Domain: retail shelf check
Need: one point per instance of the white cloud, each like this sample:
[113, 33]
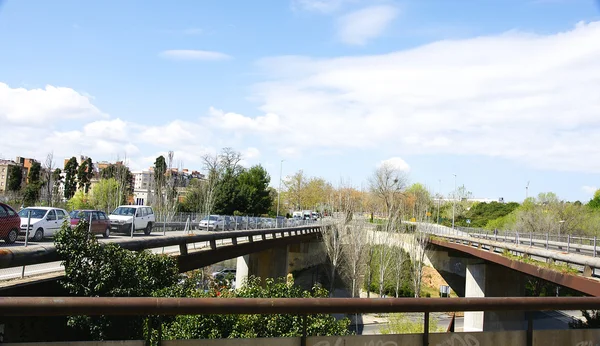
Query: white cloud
[323, 6]
[40, 107]
[191, 54]
[358, 27]
[526, 97]
[396, 163]
[589, 190]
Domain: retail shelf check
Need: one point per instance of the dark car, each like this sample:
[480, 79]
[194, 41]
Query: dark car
[100, 222]
[10, 222]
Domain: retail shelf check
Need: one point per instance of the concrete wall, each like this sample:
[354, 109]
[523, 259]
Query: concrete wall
[587, 337]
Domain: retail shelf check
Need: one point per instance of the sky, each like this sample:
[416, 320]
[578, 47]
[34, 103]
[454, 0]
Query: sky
[493, 94]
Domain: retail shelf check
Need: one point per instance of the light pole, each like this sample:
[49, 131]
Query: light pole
[454, 202]
[279, 190]
[439, 201]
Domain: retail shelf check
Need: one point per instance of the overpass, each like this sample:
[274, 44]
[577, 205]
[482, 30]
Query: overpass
[293, 245]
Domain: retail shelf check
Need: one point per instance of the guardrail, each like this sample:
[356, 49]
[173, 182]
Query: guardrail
[36, 254]
[146, 306]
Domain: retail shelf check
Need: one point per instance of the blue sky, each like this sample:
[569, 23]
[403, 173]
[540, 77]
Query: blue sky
[498, 92]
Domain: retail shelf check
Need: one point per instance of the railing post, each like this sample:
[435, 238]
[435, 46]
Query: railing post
[547, 235]
[183, 250]
[529, 328]
[568, 243]
[594, 246]
[426, 329]
[518, 241]
[234, 240]
[303, 338]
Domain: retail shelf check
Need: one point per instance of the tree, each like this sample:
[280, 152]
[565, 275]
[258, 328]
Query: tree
[15, 177]
[254, 191]
[85, 173]
[594, 203]
[106, 194]
[387, 184]
[121, 173]
[107, 270]
[70, 177]
[418, 244]
[47, 174]
[295, 186]
[80, 201]
[57, 181]
[31, 192]
[250, 326]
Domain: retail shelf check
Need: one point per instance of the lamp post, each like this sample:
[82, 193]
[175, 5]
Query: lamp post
[279, 190]
[439, 201]
[454, 202]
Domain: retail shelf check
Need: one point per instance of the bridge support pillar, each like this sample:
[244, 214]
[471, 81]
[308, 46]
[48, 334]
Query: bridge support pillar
[272, 263]
[492, 280]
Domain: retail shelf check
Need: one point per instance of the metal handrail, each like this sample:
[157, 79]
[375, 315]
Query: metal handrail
[127, 306]
[37, 254]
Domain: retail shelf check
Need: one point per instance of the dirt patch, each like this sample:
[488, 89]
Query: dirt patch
[432, 279]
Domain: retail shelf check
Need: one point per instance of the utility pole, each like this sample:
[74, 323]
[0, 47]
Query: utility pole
[279, 190]
[439, 201]
[454, 202]
[527, 191]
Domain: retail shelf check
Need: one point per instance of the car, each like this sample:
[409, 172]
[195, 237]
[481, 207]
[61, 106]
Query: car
[223, 273]
[213, 223]
[10, 222]
[100, 222]
[122, 217]
[43, 221]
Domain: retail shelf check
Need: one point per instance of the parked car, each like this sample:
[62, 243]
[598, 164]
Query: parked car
[44, 222]
[10, 222]
[213, 223]
[100, 222]
[142, 216]
[223, 273]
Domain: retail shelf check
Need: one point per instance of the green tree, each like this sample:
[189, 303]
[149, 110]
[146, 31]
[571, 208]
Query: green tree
[254, 191]
[124, 178]
[31, 192]
[15, 177]
[107, 270]
[58, 180]
[85, 173]
[250, 326]
[70, 177]
[594, 203]
[80, 201]
[105, 195]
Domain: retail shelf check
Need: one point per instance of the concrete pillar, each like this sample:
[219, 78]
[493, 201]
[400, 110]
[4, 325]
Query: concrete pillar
[272, 263]
[492, 280]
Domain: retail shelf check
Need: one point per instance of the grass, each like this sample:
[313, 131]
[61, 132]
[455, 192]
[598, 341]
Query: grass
[559, 267]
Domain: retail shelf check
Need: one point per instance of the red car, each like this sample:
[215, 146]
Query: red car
[10, 222]
[100, 222]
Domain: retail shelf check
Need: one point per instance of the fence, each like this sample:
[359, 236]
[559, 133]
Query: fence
[146, 306]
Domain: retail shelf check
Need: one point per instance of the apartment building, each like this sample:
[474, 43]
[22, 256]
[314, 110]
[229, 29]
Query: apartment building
[4, 168]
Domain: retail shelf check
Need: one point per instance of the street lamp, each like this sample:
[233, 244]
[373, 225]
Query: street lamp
[454, 202]
[439, 201]
[279, 190]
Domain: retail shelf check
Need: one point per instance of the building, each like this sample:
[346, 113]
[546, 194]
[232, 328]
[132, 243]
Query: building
[4, 167]
[26, 163]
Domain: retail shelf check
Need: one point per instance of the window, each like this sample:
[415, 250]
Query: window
[51, 216]
[10, 212]
[61, 214]
[102, 216]
[138, 212]
[149, 210]
[3, 212]
[94, 216]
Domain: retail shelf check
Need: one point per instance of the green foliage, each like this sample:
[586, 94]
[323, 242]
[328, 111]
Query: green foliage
[389, 283]
[85, 173]
[15, 177]
[70, 177]
[80, 201]
[482, 213]
[92, 270]
[400, 323]
[249, 326]
[105, 195]
[254, 191]
[594, 203]
[122, 175]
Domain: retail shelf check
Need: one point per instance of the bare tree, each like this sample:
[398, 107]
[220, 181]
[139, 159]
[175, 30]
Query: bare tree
[47, 171]
[387, 184]
[417, 245]
[213, 167]
[386, 241]
[398, 261]
[332, 238]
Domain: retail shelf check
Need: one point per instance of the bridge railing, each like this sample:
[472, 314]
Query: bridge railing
[552, 241]
[146, 306]
[20, 257]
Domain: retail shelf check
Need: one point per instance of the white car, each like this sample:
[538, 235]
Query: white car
[43, 221]
[213, 223]
[223, 273]
[122, 217]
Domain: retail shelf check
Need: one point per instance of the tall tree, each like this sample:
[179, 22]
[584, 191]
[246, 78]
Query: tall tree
[295, 185]
[57, 181]
[254, 191]
[15, 177]
[70, 170]
[160, 171]
[387, 183]
[105, 195]
[47, 174]
[31, 192]
[121, 173]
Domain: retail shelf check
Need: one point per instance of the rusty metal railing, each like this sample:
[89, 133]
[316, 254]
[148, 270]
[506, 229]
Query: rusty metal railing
[124, 306]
